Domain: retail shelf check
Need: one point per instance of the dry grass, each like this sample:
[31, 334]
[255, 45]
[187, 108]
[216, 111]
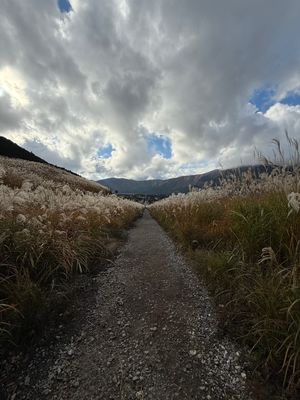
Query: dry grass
[13, 172]
[48, 233]
[247, 233]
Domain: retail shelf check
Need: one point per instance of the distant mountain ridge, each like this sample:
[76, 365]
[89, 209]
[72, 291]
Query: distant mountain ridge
[163, 187]
[180, 184]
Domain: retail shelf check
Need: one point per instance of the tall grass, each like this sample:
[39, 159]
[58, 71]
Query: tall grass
[247, 234]
[49, 231]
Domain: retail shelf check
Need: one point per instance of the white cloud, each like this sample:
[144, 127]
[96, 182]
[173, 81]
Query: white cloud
[73, 83]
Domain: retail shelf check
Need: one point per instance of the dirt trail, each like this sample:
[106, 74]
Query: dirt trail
[151, 335]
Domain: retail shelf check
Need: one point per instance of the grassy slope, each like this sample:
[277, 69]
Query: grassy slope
[53, 225]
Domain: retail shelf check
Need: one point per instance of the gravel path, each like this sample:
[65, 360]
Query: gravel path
[151, 335]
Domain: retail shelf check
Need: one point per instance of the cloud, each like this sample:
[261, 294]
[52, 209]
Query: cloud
[10, 118]
[49, 155]
[114, 72]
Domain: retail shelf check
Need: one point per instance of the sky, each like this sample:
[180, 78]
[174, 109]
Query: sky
[149, 89]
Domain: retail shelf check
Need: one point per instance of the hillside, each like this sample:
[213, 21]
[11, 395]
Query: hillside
[14, 173]
[12, 150]
[14, 162]
[174, 185]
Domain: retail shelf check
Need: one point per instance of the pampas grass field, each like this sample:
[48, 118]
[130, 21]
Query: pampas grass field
[53, 225]
[245, 237]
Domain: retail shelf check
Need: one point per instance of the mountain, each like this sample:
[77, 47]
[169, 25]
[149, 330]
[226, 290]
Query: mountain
[10, 149]
[162, 187]
[173, 185]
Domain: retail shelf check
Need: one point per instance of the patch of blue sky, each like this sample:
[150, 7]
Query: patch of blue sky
[64, 6]
[159, 144]
[105, 151]
[263, 98]
[292, 99]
